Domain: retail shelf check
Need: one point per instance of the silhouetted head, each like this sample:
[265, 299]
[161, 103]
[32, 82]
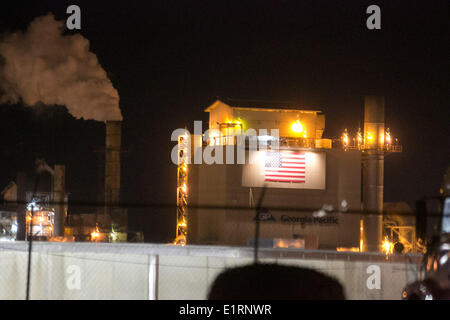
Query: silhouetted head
[274, 282]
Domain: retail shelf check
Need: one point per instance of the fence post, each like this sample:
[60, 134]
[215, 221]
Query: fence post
[153, 266]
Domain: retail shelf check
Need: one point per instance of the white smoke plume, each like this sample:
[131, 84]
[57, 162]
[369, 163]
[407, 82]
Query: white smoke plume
[43, 66]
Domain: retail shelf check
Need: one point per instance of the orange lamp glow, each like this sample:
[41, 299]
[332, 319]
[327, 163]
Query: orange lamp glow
[387, 246]
[297, 127]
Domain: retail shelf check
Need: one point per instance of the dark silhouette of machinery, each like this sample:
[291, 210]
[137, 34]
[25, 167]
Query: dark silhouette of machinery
[434, 274]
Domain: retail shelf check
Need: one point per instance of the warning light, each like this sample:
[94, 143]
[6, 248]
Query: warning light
[359, 138]
[297, 127]
[387, 246]
[388, 139]
[345, 139]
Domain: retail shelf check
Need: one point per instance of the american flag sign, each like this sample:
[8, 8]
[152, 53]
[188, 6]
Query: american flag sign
[285, 167]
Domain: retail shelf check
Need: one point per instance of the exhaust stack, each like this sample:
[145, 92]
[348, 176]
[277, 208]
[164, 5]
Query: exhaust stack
[22, 185]
[373, 172]
[112, 173]
[59, 198]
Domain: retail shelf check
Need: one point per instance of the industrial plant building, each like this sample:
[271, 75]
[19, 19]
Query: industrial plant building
[257, 162]
[40, 210]
[311, 190]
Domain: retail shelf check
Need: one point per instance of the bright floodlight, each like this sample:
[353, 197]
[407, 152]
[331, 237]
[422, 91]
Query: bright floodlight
[297, 127]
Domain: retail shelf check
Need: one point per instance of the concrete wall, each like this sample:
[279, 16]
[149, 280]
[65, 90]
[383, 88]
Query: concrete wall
[143, 271]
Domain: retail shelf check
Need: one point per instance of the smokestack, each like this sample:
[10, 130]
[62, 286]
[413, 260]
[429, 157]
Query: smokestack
[112, 170]
[22, 185]
[373, 171]
[59, 193]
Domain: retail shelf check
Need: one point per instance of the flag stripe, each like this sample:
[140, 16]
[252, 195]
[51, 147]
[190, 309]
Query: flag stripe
[285, 174]
[286, 177]
[296, 163]
[285, 180]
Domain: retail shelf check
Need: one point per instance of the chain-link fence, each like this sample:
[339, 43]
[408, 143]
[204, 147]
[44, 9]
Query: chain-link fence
[156, 271]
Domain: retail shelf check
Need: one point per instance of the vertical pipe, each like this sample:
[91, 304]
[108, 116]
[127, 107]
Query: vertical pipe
[373, 171]
[21, 205]
[112, 169]
[59, 182]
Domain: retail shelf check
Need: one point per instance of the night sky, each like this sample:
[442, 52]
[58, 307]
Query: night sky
[169, 60]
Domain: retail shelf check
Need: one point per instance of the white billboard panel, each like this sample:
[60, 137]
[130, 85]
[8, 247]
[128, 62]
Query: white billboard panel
[285, 169]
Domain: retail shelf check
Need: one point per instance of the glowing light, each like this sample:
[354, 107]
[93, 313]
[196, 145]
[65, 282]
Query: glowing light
[180, 240]
[233, 122]
[359, 138]
[443, 260]
[96, 233]
[388, 139]
[297, 127]
[32, 206]
[370, 138]
[345, 139]
[184, 188]
[361, 235]
[347, 249]
[388, 136]
[387, 246]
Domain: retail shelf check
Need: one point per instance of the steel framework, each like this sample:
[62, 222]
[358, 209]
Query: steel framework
[182, 191]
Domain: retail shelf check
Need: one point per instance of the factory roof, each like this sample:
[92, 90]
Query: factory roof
[262, 105]
[9, 193]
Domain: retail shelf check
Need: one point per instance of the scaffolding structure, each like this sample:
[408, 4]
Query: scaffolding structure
[360, 142]
[182, 192]
[406, 235]
[40, 217]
